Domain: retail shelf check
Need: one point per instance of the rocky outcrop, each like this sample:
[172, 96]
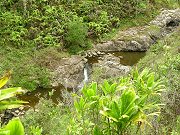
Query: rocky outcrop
[69, 72]
[167, 18]
[110, 67]
[141, 38]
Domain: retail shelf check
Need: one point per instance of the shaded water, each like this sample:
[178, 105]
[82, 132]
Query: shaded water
[55, 94]
[126, 58]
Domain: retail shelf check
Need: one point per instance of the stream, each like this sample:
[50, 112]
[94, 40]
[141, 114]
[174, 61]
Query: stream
[55, 94]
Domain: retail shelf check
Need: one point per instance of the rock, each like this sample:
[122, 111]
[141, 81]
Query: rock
[141, 38]
[69, 72]
[167, 18]
[17, 111]
[106, 47]
[111, 67]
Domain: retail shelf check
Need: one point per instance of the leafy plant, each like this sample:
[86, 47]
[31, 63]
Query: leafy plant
[14, 127]
[6, 95]
[113, 108]
[48, 118]
[76, 35]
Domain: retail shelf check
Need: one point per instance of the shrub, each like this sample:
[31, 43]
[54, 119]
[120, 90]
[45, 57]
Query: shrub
[76, 37]
[26, 71]
[115, 108]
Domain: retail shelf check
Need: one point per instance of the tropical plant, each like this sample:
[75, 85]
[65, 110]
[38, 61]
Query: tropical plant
[6, 95]
[113, 108]
[14, 127]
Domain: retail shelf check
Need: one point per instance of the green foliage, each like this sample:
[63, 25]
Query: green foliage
[14, 127]
[35, 130]
[27, 73]
[164, 59]
[115, 108]
[6, 95]
[70, 26]
[46, 119]
[109, 108]
[76, 35]
[43, 23]
[12, 29]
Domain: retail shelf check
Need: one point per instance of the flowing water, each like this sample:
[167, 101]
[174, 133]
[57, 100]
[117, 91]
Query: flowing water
[126, 58]
[85, 73]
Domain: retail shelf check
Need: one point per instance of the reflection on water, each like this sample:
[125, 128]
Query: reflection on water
[55, 94]
[129, 58]
[126, 58]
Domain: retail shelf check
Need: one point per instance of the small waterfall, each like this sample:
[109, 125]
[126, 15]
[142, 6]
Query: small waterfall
[81, 85]
[85, 73]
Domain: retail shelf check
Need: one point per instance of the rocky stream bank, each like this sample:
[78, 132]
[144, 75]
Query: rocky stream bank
[69, 71]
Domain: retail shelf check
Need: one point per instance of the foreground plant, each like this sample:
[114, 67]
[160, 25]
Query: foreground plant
[7, 101]
[114, 108]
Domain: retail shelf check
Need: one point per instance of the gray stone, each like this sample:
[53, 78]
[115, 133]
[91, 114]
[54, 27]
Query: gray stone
[111, 67]
[166, 17]
[69, 72]
[141, 38]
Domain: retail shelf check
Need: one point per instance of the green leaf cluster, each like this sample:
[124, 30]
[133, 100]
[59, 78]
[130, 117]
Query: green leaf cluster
[113, 108]
[14, 127]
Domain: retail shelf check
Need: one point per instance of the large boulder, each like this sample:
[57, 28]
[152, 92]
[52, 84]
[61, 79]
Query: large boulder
[69, 72]
[141, 38]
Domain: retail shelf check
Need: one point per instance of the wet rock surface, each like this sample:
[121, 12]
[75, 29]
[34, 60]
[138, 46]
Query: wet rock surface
[111, 67]
[69, 72]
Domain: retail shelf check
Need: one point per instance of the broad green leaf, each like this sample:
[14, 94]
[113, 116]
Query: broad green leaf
[4, 132]
[113, 87]
[94, 86]
[9, 92]
[150, 81]
[115, 110]
[15, 127]
[126, 98]
[11, 104]
[91, 93]
[4, 79]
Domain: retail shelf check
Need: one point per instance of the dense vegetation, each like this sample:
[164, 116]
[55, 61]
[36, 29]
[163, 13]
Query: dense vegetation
[51, 29]
[130, 105]
[36, 33]
[164, 59]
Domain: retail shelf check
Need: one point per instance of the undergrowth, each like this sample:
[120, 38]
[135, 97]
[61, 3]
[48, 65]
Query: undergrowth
[164, 59]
